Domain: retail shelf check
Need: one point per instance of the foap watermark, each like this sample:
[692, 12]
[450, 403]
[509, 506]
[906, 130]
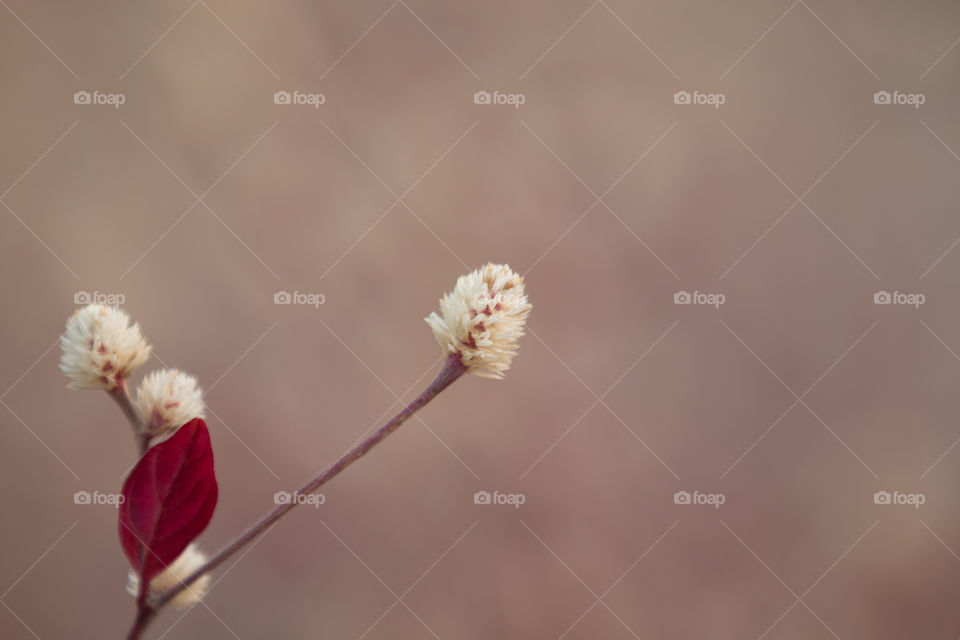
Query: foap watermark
[485, 97]
[710, 99]
[99, 498]
[711, 299]
[96, 97]
[711, 499]
[898, 97]
[898, 297]
[313, 499]
[98, 297]
[910, 499]
[485, 497]
[298, 97]
[297, 297]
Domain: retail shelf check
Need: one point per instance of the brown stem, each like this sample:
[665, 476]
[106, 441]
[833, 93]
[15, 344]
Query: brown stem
[452, 369]
[121, 396]
[144, 616]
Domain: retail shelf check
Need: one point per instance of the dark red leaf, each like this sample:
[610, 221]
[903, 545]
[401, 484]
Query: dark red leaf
[168, 500]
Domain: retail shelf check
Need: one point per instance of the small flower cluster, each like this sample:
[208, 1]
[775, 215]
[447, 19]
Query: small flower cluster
[186, 563]
[167, 400]
[482, 319]
[100, 349]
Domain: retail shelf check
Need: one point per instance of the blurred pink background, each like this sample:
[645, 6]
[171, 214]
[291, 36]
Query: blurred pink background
[794, 402]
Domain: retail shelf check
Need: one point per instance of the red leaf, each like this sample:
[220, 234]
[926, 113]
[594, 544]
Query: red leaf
[168, 500]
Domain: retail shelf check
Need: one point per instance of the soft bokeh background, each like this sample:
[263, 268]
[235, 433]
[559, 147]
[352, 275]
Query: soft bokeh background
[797, 399]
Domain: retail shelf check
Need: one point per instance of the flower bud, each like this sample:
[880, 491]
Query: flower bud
[100, 348]
[482, 319]
[186, 563]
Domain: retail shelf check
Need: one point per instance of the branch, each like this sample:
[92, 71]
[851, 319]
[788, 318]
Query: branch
[452, 369]
[121, 396]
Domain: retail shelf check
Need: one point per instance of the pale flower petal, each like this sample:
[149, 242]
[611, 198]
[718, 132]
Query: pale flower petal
[168, 399]
[100, 348]
[482, 319]
[186, 563]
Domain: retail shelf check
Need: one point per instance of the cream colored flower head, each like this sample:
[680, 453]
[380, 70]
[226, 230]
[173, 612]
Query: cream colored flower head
[482, 319]
[167, 400]
[100, 347]
[186, 563]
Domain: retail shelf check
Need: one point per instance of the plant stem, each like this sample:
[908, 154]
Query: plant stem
[121, 396]
[452, 369]
[144, 616]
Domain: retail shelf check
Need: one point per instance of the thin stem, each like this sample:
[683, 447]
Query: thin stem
[121, 396]
[452, 369]
[144, 616]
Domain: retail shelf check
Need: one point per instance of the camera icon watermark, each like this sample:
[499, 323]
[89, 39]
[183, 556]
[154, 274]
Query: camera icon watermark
[709, 99]
[513, 99]
[910, 499]
[697, 498]
[709, 299]
[909, 299]
[109, 299]
[313, 499]
[899, 98]
[98, 498]
[297, 97]
[111, 99]
[513, 499]
[309, 299]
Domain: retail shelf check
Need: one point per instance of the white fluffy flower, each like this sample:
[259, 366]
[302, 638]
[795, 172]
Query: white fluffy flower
[168, 399]
[482, 319]
[100, 347]
[186, 563]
